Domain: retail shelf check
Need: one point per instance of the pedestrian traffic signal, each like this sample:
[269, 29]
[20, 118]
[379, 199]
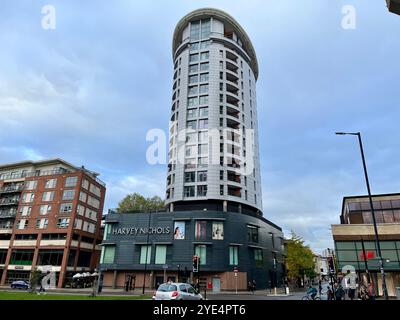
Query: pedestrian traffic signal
[196, 262]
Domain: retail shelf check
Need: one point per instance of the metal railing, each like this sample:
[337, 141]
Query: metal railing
[10, 189]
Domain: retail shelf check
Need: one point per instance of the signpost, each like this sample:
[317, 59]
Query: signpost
[235, 270]
[165, 267]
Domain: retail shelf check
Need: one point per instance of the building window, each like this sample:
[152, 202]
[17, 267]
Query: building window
[195, 30]
[189, 191]
[190, 177]
[63, 223]
[191, 124]
[192, 113]
[258, 257]
[42, 223]
[217, 230]
[202, 191]
[31, 185]
[45, 209]
[204, 77]
[203, 124]
[28, 197]
[205, 55]
[193, 102]
[145, 251]
[48, 196]
[50, 257]
[68, 195]
[66, 208]
[194, 57]
[202, 162]
[202, 176]
[193, 68]
[252, 234]
[201, 252]
[25, 210]
[22, 257]
[71, 181]
[272, 239]
[161, 254]
[203, 149]
[194, 90]
[203, 89]
[51, 183]
[201, 230]
[22, 224]
[204, 66]
[233, 255]
[203, 112]
[193, 79]
[203, 100]
[221, 190]
[108, 254]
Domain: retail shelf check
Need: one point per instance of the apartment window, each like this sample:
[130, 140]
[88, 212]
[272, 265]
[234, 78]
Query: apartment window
[221, 98]
[221, 190]
[203, 136]
[255, 199]
[195, 30]
[203, 112]
[203, 88]
[193, 68]
[203, 149]
[202, 162]
[205, 28]
[193, 102]
[192, 113]
[193, 79]
[68, 195]
[204, 66]
[71, 181]
[161, 254]
[25, 210]
[221, 86]
[63, 222]
[204, 77]
[190, 177]
[202, 191]
[194, 90]
[221, 65]
[201, 252]
[42, 223]
[203, 100]
[45, 209]
[202, 176]
[22, 257]
[66, 208]
[203, 124]
[145, 252]
[51, 183]
[258, 257]
[30, 185]
[190, 163]
[28, 197]
[252, 234]
[191, 124]
[272, 240]
[233, 255]
[204, 55]
[194, 57]
[108, 254]
[190, 151]
[189, 191]
[221, 175]
[22, 224]
[85, 184]
[221, 54]
[82, 196]
[204, 44]
[245, 195]
[93, 202]
[221, 122]
[80, 210]
[95, 190]
[48, 196]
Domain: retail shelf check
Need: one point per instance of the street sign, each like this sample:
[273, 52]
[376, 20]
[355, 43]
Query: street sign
[196, 263]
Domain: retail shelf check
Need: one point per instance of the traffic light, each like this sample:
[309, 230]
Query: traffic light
[196, 263]
[331, 265]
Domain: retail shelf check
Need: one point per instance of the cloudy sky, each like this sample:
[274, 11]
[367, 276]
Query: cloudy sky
[90, 90]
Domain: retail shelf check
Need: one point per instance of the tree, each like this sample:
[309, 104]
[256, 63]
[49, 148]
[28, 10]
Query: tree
[135, 202]
[299, 259]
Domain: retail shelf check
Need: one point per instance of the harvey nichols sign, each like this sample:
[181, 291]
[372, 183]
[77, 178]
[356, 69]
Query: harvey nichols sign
[134, 231]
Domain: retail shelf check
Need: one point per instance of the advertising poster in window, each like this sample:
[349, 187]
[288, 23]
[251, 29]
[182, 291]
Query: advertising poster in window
[218, 231]
[179, 230]
[201, 233]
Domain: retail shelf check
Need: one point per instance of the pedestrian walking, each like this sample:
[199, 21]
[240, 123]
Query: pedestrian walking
[371, 292]
[254, 285]
[320, 287]
[250, 287]
[338, 292]
[329, 293]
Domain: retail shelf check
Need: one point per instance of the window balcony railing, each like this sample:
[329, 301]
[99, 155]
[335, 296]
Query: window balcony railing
[7, 214]
[11, 189]
[9, 202]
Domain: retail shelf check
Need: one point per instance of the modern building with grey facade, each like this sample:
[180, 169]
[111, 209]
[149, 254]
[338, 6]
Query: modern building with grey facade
[213, 194]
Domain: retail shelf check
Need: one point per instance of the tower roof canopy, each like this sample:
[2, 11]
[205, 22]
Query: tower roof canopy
[223, 16]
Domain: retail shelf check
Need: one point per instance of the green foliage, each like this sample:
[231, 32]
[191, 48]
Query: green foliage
[135, 202]
[299, 259]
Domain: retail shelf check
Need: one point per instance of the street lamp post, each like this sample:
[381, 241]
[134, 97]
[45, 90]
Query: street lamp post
[147, 250]
[378, 246]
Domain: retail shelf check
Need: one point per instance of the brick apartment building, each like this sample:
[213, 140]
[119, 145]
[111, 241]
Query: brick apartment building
[50, 215]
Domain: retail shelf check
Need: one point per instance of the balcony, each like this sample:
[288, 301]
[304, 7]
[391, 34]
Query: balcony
[231, 56]
[11, 188]
[232, 89]
[232, 112]
[231, 67]
[232, 78]
[234, 177]
[232, 100]
[233, 124]
[234, 191]
[7, 214]
[9, 202]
